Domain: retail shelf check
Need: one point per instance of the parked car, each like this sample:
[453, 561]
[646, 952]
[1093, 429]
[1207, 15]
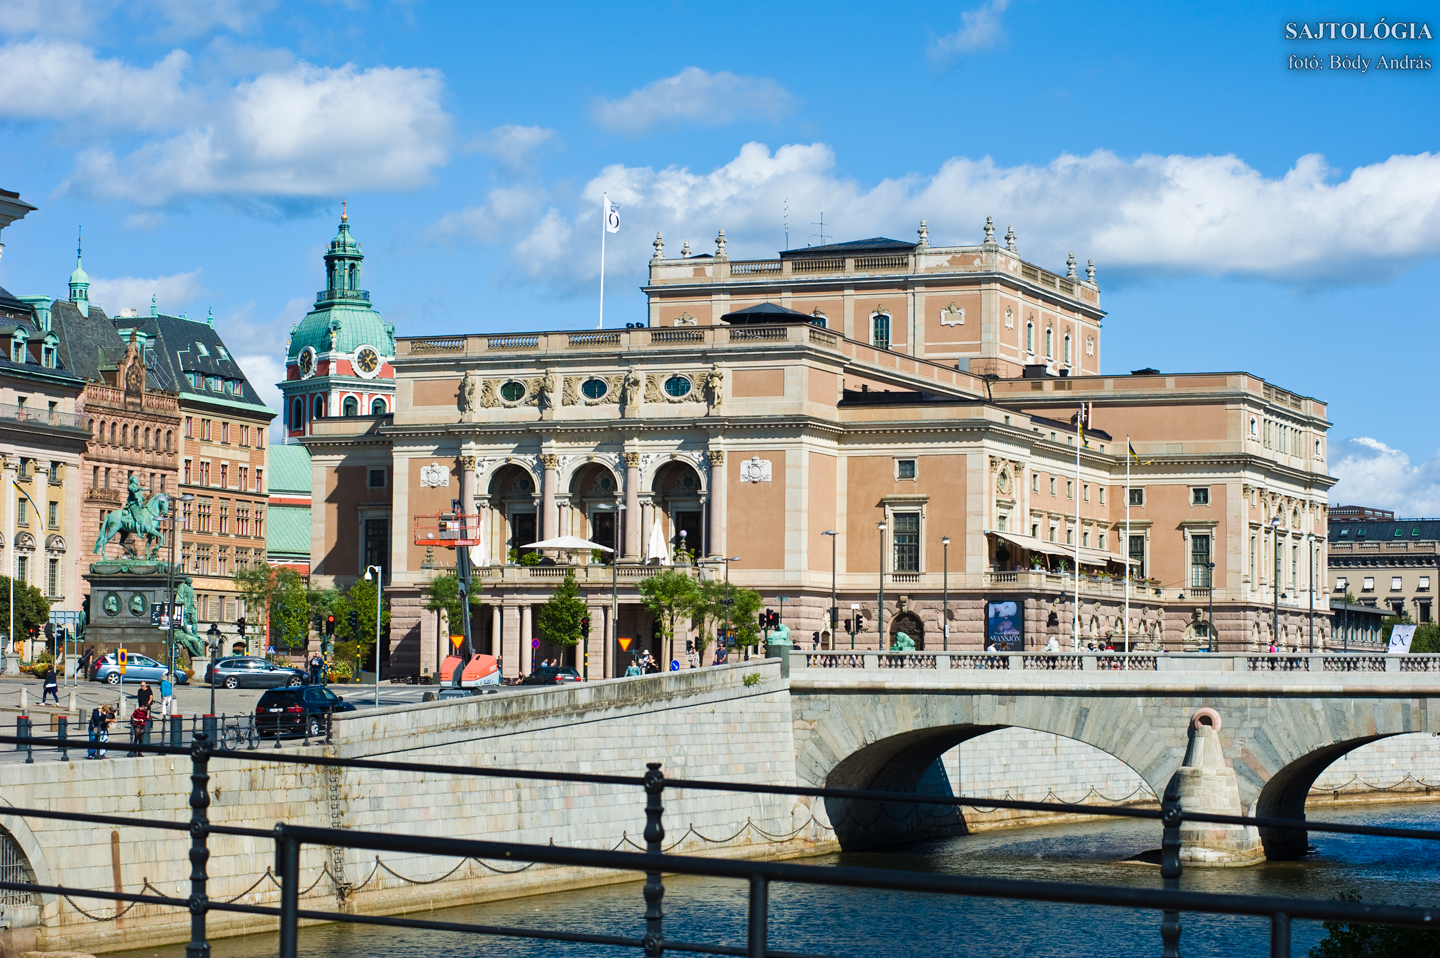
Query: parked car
[247, 671]
[297, 710]
[552, 675]
[137, 667]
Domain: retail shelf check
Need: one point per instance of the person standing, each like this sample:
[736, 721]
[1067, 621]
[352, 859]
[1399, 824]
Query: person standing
[51, 686]
[100, 721]
[139, 722]
[144, 697]
[317, 667]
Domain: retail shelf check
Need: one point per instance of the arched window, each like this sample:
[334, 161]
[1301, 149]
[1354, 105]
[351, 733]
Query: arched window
[297, 414]
[319, 407]
[1049, 344]
[169, 437]
[354, 276]
[92, 427]
[1067, 349]
[1030, 337]
[377, 408]
[125, 435]
[350, 407]
[147, 437]
[880, 330]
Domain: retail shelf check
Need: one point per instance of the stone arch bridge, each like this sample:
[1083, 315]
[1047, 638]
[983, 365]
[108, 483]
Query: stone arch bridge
[880, 721]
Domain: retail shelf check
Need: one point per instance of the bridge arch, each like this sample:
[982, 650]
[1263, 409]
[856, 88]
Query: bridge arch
[883, 735]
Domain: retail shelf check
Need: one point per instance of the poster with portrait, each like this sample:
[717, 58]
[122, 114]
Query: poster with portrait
[1005, 625]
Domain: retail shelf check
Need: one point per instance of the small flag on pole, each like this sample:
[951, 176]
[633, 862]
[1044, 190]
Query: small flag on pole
[1082, 421]
[612, 217]
[1136, 457]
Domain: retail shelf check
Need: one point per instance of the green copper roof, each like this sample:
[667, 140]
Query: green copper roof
[289, 470]
[288, 532]
[342, 320]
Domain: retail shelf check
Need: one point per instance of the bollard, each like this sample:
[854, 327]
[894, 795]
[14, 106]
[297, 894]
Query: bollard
[24, 700]
[1170, 866]
[208, 728]
[64, 734]
[177, 730]
[22, 730]
[73, 706]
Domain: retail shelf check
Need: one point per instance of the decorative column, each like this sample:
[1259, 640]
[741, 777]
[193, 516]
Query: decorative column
[718, 499]
[632, 505]
[495, 632]
[564, 522]
[647, 519]
[483, 530]
[514, 657]
[467, 490]
[527, 657]
[549, 515]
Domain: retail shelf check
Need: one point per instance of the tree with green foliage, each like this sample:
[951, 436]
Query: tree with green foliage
[1427, 639]
[1387, 625]
[1347, 940]
[442, 594]
[278, 594]
[745, 606]
[559, 618]
[672, 596]
[360, 598]
[708, 613]
[32, 609]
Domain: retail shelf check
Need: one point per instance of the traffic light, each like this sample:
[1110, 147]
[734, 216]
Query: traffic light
[330, 624]
[689, 646]
[773, 619]
[859, 622]
[353, 618]
[814, 640]
[240, 624]
[585, 626]
[317, 624]
[847, 626]
[764, 619]
[49, 631]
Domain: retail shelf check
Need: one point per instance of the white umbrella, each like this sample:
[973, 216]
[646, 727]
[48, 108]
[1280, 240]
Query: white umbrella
[657, 549]
[480, 554]
[567, 544]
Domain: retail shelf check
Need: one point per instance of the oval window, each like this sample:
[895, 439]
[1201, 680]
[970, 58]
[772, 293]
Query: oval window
[512, 391]
[677, 386]
[595, 388]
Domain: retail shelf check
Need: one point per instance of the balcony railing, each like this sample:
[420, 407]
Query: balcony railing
[41, 417]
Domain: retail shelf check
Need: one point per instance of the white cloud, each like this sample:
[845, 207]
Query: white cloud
[512, 145]
[66, 82]
[980, 29]
[1211, 215]
[172, 293]
[192, 18]
[168, 19]
[504, 211]
[696, 96]
[306, 132]
[1371, 473]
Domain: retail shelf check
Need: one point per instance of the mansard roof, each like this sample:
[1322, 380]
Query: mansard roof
[875, 244]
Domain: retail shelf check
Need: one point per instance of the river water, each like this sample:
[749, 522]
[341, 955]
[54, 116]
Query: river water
[869, 924]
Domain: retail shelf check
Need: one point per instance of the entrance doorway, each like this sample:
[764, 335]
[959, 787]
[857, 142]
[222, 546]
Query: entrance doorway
[909, 623]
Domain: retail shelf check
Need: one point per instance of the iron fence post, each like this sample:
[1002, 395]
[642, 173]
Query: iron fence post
[1280, 935]
[758, 932]
[64, 734]
[287, 867]
[199, 850]
[1170, 868]
[654, 940]
[208, 727]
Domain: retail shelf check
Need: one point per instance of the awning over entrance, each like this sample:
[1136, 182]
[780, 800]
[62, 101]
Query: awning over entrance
[1087, 556]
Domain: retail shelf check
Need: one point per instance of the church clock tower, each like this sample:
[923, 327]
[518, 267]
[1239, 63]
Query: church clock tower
[340, 359]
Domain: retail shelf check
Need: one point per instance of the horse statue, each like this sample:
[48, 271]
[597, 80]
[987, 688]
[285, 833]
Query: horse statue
[140, 518]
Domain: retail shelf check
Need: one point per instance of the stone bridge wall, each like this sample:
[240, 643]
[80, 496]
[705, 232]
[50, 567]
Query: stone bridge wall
[706, 724]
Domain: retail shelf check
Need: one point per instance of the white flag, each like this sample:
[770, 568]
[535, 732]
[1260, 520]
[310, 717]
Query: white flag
[612, 217]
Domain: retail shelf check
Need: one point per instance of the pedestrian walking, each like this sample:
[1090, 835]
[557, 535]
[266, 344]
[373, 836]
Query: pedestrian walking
[633, 669]
[85, 661]
[51, 686]
[144, 697]
[139, 722]
[167, 697]
[100, 720]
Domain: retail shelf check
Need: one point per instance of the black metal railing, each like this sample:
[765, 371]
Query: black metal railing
[654, 862]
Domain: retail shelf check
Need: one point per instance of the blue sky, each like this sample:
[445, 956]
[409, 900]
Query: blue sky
[1242, 215]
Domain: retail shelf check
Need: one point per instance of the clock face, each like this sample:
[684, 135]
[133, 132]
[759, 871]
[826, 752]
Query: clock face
[367, 361]
[307, 362]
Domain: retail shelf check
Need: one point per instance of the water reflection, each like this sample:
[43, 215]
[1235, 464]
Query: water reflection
[894, 925]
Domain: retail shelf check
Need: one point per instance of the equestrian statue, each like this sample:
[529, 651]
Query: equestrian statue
[138, 518]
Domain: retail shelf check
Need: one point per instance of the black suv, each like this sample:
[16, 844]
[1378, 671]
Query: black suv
[297, 710]
[551, 675]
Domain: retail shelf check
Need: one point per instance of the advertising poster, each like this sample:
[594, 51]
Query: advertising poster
[1005, 625]
[1400, 638]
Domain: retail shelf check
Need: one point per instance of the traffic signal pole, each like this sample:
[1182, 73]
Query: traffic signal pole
[462, 572]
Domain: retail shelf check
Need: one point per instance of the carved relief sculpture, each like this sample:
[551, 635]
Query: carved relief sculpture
[469, 393]
[715, 385]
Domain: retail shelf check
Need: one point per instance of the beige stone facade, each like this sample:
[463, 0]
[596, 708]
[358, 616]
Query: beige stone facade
[750, 437]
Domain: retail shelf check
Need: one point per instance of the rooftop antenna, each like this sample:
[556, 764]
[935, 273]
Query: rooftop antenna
[820, 224]
[787, 222]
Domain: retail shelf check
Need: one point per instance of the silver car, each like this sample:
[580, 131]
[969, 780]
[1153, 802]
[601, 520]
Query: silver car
[247, 671]
[137, 667]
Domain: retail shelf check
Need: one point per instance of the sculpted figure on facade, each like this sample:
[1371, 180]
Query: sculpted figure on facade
[469, 393]
[714, 385]
[548, 391]
[630, 389]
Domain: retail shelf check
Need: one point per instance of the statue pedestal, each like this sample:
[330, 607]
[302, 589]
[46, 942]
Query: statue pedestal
[126, 599]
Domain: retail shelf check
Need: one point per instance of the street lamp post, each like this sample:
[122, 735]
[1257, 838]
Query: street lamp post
[619, 509]
[880, 605]
[213, 634]
[1213, 634]
[834, 612]
[1275, 610]
[945, 596]
[1312, 591]
[377, 573]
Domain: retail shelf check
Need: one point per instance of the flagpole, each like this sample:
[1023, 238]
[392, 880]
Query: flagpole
[1125, 552]
[604, 208]
[1075, 609]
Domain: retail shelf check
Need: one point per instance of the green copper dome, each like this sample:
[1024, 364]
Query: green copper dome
[78, 277]
[342, 320]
